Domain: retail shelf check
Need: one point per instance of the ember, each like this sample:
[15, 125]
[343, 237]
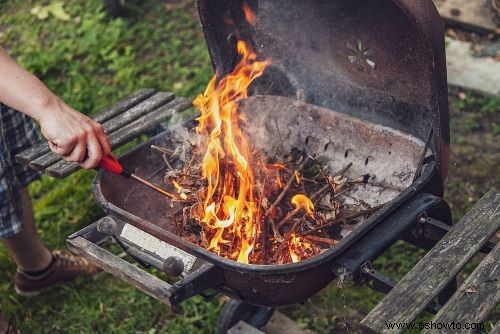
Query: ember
[247, 206]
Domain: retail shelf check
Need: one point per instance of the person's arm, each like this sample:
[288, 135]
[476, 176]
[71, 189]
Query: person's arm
[71, 134]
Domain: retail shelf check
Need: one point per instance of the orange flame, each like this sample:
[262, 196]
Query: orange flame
[229, 206]
[298, 246]
[177, 186]
[303, 202]
[249, 16]
[297, 177]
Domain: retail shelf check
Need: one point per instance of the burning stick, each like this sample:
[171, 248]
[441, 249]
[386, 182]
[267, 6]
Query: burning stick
[327, 241]
[165, 151]
[264, 225]
[344, 219]
[286, 188]
[301, 202]
[279, 135]
[273, 206]
[343, 170]
[293, 213]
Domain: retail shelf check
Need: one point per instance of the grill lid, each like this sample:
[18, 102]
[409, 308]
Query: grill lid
[381, 61]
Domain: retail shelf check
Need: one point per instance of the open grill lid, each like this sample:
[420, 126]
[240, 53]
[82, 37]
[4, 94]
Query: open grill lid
[382, 61]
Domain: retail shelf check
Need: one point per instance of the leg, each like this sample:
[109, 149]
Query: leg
[26, 247]
[4, 325]
[37, 267]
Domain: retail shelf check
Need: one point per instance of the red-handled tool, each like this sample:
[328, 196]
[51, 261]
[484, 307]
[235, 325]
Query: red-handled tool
[110, 164]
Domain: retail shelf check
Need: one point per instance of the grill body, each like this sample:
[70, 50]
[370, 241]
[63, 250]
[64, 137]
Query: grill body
[371, 78]
[381, 61]
[390, 156]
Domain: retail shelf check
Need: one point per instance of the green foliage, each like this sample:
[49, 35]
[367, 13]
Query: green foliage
[91, 59]
[474, 102]
[471, 124]
[495, 129]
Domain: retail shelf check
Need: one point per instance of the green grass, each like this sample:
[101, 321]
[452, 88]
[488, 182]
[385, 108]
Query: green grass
[93, 60]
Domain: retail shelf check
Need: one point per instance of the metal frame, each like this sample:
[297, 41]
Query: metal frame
[353, 264]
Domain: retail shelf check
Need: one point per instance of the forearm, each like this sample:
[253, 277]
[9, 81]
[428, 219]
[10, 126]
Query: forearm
[69, 133]
[21, 90]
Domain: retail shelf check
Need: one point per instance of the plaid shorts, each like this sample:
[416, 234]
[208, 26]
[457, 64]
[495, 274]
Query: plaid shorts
[17, 133]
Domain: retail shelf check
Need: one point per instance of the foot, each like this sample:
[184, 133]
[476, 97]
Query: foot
[6, 328]
[65, 267]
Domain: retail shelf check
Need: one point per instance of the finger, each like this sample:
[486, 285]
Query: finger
[61, 149]
[78, 152]
[94, 153]
[103, 140]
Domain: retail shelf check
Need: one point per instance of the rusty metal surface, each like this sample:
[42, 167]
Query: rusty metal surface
[276, 123]
[381, 61]
[389, 156]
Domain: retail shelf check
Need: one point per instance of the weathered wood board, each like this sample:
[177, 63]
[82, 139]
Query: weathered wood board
[126, 133]
[475, 298]
[111, 124]
[37, 150]
[437, 268]
[144, 281]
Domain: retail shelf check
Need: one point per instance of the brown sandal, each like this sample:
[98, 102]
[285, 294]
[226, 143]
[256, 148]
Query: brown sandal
[6, 328]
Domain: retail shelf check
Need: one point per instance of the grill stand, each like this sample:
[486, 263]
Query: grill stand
[89, 243]
[198, 275]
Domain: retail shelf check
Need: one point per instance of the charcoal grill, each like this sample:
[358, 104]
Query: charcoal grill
[358, 81]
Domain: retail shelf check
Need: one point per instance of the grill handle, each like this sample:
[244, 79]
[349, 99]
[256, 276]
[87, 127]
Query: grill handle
[122, 269]
[87, 243]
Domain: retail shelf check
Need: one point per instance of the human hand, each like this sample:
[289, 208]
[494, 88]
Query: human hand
[72, 135]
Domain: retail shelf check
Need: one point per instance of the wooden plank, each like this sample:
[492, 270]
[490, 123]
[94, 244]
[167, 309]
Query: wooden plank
[144, 281]
[124, 105]
[476, 14]
[437, 268]
[133, 130]
[474, 300]
[37, 150]
[111, 125]
[243, 328]
[154, 102]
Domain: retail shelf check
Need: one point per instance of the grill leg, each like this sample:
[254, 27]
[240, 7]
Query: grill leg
[234, 311]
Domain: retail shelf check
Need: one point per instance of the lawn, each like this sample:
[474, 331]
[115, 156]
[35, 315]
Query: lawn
[91, 61]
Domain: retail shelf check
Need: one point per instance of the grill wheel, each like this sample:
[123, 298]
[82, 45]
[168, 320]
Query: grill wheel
[234, 311]
[115, 8]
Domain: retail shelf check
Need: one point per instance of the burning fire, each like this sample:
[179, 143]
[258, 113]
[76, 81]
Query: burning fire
[232, 210]
[249, 16]
[231, 205]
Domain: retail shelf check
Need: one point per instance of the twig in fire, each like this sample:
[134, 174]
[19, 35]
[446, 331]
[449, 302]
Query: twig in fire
[307, 232]
[344, 219]
[164, 152]
[273, 206]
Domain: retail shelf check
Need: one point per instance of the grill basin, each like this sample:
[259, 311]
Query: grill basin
[361, 81]
[390, 156]
[381, 61]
